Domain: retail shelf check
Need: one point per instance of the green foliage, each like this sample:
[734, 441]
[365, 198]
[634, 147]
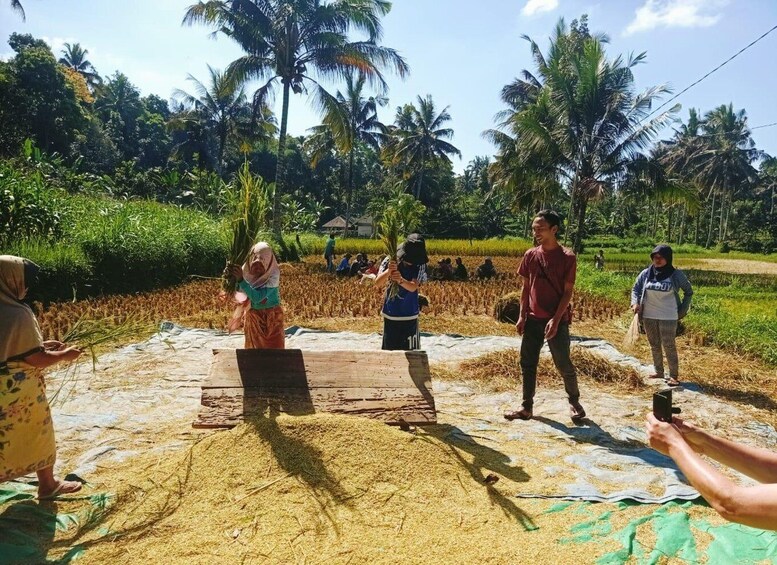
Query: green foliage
[27, 207]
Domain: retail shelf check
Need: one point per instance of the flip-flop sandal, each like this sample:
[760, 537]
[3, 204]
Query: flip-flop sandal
[65, 487]
[672, 382]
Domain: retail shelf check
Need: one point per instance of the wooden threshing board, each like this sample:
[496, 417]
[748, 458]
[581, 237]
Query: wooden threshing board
[391, 386]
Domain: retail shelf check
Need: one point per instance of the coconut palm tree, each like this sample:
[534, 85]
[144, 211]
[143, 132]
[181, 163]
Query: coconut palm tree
[297, 42]
[352, 119]
[74, 57]
[419, 138]
[222, 107]
[16, 6]
[580, 116]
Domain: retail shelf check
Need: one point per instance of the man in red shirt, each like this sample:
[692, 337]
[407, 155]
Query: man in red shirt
[548, 272]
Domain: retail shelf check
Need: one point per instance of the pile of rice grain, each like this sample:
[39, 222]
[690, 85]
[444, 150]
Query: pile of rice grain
[327, 489]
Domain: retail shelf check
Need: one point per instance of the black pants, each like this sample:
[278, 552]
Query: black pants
[531, 344]
[401, 335]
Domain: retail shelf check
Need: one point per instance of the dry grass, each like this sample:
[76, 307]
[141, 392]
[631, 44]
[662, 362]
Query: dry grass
[500, 371]
[333, 489]
[740, 266]
[314, 299]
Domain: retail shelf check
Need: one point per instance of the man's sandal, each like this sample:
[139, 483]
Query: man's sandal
[522, 414]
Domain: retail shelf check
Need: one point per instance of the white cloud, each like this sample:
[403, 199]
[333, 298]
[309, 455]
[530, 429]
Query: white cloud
[539, 6]
[676, 13]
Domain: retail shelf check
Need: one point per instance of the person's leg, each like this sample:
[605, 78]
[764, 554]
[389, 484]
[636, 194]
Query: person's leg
[559, 349]
[668, 331]
[531, 345]
[653, 334]
[49, 486]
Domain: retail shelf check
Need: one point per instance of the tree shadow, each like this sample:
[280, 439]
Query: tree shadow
[755, 399]
[587, 431]
[301, 461]
[451, 439]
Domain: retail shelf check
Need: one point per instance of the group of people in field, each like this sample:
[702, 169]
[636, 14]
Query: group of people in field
[661, 295]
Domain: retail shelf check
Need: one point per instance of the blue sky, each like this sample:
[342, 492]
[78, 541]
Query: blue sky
[460, 51]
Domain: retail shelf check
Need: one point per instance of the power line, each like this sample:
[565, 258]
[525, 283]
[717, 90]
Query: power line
[724, 63]
[764, 126]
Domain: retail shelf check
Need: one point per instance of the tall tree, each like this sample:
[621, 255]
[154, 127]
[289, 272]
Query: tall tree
[74, 57]
[119, 106]
[353, 118]
[221, 106]
[293, 41]
[581, 116]
[420, 139]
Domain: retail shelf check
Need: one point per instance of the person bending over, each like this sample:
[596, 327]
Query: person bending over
[686, 443]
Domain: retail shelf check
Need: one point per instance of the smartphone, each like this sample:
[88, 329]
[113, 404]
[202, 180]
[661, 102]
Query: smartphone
[662, 405]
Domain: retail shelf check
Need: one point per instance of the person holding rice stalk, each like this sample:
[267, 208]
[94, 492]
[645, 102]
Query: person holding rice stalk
[26, 430]
[260, 311]
[655, 297]
[400, 303]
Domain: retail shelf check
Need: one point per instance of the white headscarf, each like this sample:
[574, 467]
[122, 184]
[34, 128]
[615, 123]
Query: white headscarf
[262, 253]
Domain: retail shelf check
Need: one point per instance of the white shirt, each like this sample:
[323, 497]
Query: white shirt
[660, 302]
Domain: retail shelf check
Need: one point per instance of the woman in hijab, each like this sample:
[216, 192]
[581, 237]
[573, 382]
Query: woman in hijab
[262, 314]
[26, 431]
[656, 298]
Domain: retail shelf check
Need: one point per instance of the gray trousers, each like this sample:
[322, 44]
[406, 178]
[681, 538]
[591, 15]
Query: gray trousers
[531, 344]
[661, 335]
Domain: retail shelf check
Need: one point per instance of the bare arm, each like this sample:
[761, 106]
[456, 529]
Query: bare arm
[754, 506]
[552, 328]
[47, 358]
[757, 463]
[521, 324]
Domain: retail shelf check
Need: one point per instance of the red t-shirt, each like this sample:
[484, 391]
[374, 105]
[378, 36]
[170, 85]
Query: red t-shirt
[547, 273]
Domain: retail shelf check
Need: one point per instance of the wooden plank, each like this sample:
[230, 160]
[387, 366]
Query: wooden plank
[387, 385]
[230, 406]
[289, 368]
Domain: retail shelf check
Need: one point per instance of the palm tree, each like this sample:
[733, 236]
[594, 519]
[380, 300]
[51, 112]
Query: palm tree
[580, 117]
[419, 138]
[221, 106]
[292, 41]
[724, 166]
[74, 57]
[16, 6]
[352, 119]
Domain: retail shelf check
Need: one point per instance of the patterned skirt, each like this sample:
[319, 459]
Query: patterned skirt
[26, 430]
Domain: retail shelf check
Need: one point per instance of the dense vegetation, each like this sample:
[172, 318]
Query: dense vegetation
[116, 179]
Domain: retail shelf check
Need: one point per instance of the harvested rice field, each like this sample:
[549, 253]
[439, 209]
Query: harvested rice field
[336, 489]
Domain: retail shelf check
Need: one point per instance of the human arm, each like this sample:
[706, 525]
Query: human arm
[684, 284]
[384, 272]
[754, 506]
[552, 327]
[48, 357]
[636, 293]
[524, 313]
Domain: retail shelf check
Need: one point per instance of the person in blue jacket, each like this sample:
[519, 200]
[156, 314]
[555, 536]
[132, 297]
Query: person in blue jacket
[655, 297]
[400, 309]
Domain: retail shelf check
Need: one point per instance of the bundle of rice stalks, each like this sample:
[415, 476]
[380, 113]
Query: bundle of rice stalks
[249, 216]
[507, 308]
[401, 216]
[89, 334]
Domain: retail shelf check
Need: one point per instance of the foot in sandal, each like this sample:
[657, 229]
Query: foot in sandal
[62, 487]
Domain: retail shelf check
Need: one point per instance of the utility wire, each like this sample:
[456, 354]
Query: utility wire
[724, 63]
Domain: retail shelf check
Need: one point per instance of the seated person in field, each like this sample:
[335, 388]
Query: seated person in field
[444, 270]
[370, 273]
[358, 265]
[486, 270]
[344, 268]
[685, 443]
[423, 303]
[460, 272]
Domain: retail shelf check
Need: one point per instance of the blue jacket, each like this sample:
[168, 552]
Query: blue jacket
[679, 281]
